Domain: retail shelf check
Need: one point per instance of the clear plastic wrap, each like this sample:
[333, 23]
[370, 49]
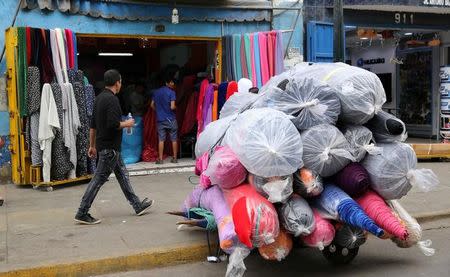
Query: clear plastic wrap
[275, 189]
[394, 172]
[237, 103]
[323, 234]
[361, 141]
[310, 101]
[224, 168]
[255, 218]
[212, 135]
[212, 199]
[349, 237]
[279, 249]
[201, 164]
[307, 183]
[275, 81]
[236, 266]
[325, 150]
[387, 128]
[266, 142]
[414, 230]
[360, 91]
[296, 216]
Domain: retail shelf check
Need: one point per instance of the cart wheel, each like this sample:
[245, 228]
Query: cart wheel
[49, 189]
[35, 187]
[339, 255]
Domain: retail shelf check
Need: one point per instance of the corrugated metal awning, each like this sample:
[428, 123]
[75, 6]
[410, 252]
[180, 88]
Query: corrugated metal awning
[138, 10]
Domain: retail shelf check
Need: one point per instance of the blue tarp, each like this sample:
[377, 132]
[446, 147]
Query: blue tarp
[146, 12]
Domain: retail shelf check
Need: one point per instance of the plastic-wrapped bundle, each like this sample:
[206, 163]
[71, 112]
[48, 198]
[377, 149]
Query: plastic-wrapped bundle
[213, 200]
[414, 230]
[224, 168]
[387, 128]
[361, 142]
[266, 142]
[236, 266]
[310, 101]
[237, 103]
[335, 204]
[275, 189]
[296, 216]
[201, 164]
[360, 91]
[255, 218]
[279, 249]
[349, 237]
[323, 234]
[275, 81]
[394, 172]
[379, 211]
[325, 150]
[353, 179]
[212, 135]
[307, 183]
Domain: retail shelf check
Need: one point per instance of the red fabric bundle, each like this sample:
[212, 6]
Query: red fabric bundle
[231, 89]
[255, 218]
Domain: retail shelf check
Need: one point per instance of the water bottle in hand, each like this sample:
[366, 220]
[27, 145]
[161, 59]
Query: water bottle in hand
[129, 130]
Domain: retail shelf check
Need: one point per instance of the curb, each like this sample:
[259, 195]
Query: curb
[141, 261]
[431, 216]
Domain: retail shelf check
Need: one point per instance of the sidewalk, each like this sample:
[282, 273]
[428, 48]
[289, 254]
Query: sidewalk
[37, 231]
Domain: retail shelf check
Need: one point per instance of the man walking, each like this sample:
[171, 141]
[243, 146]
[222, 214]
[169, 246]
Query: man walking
[105, 138]
[163, 103]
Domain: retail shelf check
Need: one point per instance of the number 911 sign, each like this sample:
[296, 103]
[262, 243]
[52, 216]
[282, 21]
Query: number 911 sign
[404, 18]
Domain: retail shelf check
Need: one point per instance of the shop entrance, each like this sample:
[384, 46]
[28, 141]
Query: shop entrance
[142, 62]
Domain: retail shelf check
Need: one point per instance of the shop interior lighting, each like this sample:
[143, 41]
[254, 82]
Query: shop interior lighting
[106, 54]
[408, 34]
[364, 38]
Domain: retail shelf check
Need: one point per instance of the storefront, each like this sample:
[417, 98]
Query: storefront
[146, 37]
[405, 45]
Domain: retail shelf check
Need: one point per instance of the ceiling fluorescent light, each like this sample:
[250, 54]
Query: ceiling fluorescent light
[408, 34]
[364, 38]
[104, 54]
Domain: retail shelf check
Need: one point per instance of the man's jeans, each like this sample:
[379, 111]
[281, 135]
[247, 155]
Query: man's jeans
[109, 160]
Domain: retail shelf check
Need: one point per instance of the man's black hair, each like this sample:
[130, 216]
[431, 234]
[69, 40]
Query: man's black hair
[111, 77]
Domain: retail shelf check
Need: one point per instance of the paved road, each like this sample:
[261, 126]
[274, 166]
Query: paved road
[376, 258]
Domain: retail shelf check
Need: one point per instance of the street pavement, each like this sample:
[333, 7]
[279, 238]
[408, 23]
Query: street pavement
[37, 228]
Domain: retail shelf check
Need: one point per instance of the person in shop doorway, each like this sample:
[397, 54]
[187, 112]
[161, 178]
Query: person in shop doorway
[163, 102]
[105, 139]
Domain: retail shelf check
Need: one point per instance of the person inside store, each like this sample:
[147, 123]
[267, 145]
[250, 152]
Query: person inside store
[164, 103]
[105, 139]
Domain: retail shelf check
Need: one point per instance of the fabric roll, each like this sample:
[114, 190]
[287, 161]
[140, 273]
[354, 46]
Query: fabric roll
[252, 59]
[48, 122]
[231, 89]
[22, 70]
[257, 60]
[36, 44]
[69, 41]
[82, 142]
[248, 55]
[56, 59]
[264, 62]
[222, 96]
[233, 56]
[71, 121]
[45, 62]
[33, 90]
[215, 104]
[237, 56]
[270, 52]
[60, 156]
[207, 105]
[36, 152]
[279, 53]
[243, 58]
[28, 44]
[201, 99]
[75, 51]
[229, 55]
[353, 179]
[62, 53]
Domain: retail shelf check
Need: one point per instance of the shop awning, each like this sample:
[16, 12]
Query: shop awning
[224, 11]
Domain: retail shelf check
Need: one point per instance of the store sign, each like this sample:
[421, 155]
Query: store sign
[361, 62]
[442, 3]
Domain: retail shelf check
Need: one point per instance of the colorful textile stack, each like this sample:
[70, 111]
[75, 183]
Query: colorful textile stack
[330, 187]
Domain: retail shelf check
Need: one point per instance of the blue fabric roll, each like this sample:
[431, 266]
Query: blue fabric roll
[222, 96]
[257, 60]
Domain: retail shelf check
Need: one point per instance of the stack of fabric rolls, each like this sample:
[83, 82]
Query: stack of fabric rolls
[310, 159]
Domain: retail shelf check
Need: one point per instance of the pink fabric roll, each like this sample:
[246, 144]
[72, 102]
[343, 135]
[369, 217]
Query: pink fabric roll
[323, 235]
[201, 164]
[252, 52]
[377, 209]
[265, 76]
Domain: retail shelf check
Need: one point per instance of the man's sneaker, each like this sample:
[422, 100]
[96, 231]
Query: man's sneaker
[146, 204]
[158, 161]
[86, 219]
[174, 161]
